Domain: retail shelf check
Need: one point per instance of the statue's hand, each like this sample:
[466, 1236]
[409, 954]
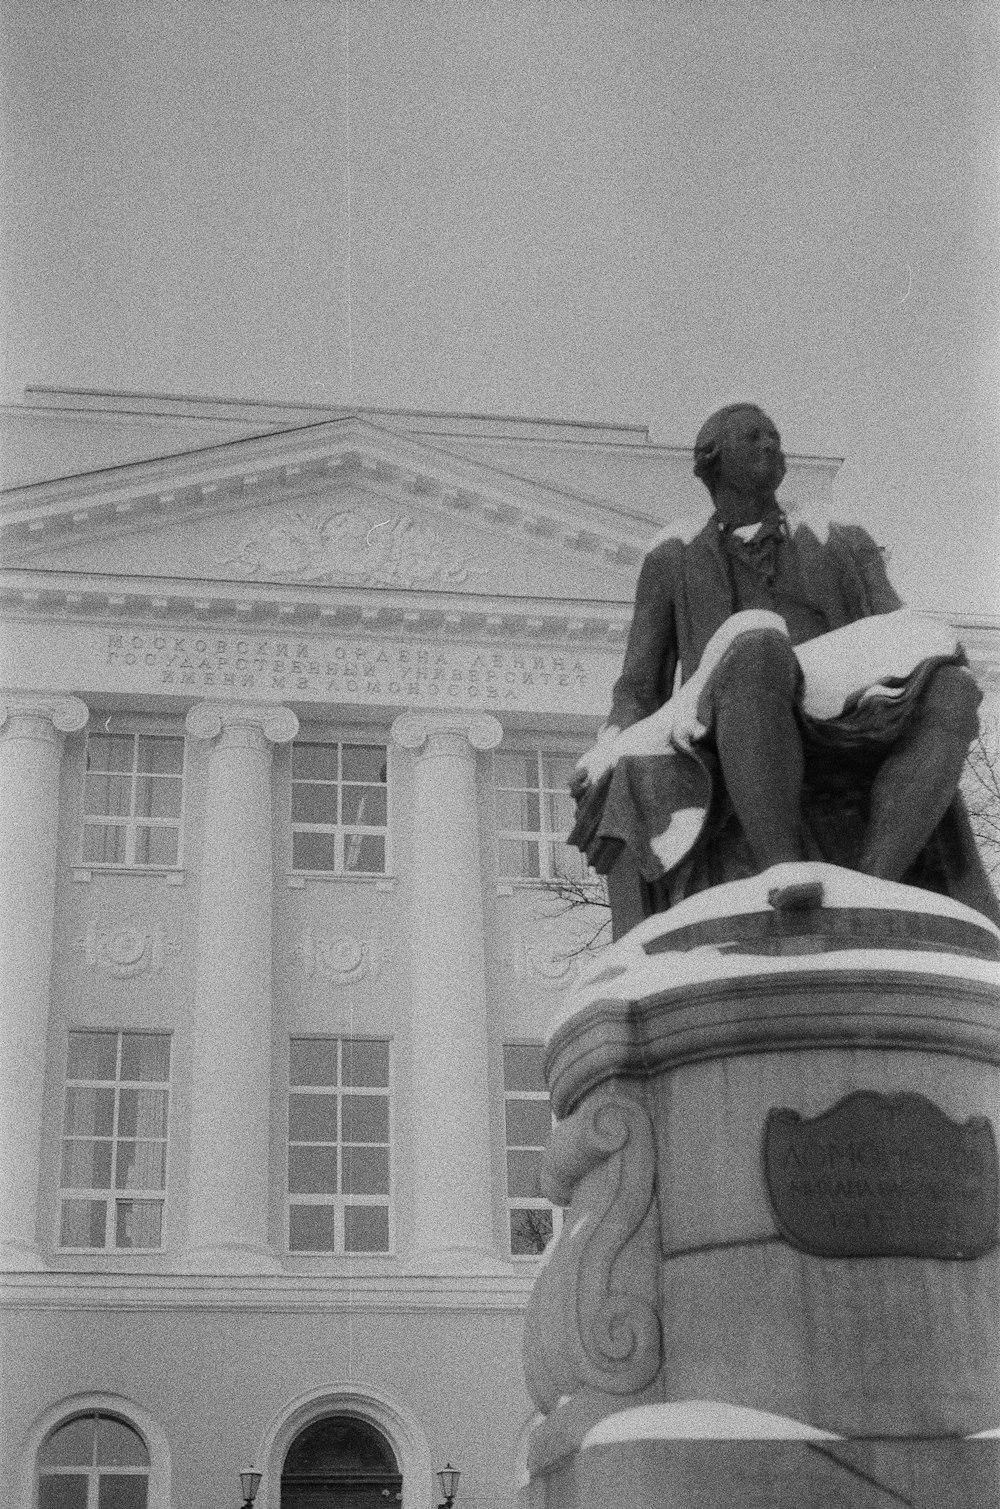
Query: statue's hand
[591, 766]
[686, 727]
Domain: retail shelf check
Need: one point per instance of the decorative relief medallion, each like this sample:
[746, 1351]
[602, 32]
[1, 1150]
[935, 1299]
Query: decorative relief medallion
[883, 1176]
[546, 961]
[125, 951]
[349, 545]
[551, 956]
[338, 960]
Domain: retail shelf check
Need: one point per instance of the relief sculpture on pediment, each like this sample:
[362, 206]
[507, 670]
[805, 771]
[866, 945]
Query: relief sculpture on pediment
[351, 545]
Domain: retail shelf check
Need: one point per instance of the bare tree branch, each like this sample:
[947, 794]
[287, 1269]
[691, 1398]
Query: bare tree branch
[588, 897]
[981, 789]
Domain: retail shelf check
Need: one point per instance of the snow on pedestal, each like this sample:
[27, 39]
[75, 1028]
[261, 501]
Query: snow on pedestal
[766, 1096]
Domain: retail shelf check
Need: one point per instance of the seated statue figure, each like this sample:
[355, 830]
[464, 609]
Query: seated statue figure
[724, 755]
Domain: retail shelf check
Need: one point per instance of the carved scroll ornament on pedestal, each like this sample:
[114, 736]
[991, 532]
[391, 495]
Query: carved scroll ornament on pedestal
[592, 1320]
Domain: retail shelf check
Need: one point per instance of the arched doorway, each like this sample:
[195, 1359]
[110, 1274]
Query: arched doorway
[340, 1462]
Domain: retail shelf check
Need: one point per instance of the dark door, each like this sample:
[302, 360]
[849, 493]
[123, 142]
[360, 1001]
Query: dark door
[340, 1462]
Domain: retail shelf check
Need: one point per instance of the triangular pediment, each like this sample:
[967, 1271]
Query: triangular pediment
[341, 503]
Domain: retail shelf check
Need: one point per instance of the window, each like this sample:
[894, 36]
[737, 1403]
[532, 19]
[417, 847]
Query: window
[338, 1145]
[339, 808]
[133, 799]
[533, 1221]
[534, 815]
[114, 1147]
[94, 1461]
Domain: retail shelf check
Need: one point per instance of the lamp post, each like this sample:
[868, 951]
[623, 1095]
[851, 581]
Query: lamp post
[249, 1483]
[448, 1478]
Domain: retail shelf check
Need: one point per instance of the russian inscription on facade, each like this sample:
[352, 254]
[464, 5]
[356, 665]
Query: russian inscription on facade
[883, 1176]
[351, 670]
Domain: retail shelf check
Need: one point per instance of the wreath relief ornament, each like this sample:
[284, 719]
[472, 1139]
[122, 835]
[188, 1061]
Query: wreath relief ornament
[340, 959]
[126, 949]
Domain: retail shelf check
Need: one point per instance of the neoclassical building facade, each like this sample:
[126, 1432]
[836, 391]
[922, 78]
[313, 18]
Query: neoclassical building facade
[291, 701]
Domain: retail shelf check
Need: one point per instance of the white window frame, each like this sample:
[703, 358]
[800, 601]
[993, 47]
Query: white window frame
[133, 1414]
[545, 838]
[341, 831]
[112, 1194]
[525, 1202]
[340, 1201]
[131, 823]
[94, 1471]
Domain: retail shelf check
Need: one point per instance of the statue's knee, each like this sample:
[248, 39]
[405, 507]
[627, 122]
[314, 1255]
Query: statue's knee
[761, 658]
[951, 700]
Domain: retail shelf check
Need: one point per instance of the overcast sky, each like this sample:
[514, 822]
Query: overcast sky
[631, 210]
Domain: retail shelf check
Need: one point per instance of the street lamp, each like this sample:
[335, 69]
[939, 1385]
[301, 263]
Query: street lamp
[249, 1483]
[448, 1478]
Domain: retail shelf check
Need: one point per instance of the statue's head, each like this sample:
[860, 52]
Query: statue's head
[744, 441]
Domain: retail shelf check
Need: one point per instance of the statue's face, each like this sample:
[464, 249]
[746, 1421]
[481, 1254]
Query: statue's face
[750, 456]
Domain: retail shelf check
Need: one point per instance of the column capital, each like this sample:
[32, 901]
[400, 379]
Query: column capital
[67, 715]
[413, 730]
[268, 720]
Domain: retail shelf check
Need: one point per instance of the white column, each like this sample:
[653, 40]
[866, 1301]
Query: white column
[231, 1071]
[451, 1131]
[31, 737]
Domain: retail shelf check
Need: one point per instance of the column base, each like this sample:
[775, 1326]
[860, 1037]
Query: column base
[21, 1257]
[458, 1260]
[231, 1257]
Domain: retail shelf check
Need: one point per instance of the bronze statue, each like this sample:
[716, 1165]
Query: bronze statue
[745, 775]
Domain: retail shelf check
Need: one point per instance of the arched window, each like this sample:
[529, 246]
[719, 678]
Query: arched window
[340, 1462]
[93, 1461]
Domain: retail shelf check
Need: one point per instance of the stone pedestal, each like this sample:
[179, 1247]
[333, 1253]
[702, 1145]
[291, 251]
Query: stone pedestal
[777, 1141]
[32, 726]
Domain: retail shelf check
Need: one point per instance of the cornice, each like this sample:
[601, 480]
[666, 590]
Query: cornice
[980, 638]
[284, 414]
[518, 429]
[61, 597]
[857, 1002]
[180, 603]
[283, 468]
[379, 1293]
